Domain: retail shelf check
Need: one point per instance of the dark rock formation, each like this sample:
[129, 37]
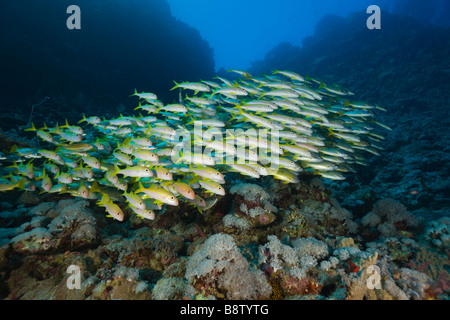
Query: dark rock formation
[122, 45]
[381, 66]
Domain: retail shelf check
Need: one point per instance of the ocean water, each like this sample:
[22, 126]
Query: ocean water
[247, 150]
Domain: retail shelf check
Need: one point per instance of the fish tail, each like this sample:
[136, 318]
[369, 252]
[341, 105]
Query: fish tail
[135, 93]
[140, 187]
[176, 86]
[95, 187]
[13, 148]
[83, 119]
[21, 184]
[66, 125]
[33, 128]
[139, 106]
[116, 170]
[44, 127]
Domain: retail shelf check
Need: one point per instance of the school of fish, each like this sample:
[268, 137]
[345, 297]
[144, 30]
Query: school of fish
[281, 125]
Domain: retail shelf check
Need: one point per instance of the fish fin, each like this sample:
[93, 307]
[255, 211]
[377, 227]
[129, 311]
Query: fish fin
[66, 125]
[21, 184]
[95, 187]
[13, 148]
[14, 165]
[116, 169]
[33, 128]
[135, 93]
[176, 86]
[149, 130]
[197, 139]
[104, 198]
[140, 187]
[126, 141]
[193, 180]
[230, 135]
[166, 183]
[180, 157]
[133, 180]
[83, 119]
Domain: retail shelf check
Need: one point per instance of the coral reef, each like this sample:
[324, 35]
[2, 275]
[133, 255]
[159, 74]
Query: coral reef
[188, 259]
[72, 226]
[389, 217]
[218, 268]
[252, 207]
[438, 233]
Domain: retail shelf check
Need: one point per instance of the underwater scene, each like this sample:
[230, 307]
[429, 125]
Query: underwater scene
[224, 150]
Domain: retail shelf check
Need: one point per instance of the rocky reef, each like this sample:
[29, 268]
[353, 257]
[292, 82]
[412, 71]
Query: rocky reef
[310, 248]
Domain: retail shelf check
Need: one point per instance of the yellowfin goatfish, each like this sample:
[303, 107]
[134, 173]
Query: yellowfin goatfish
[209, 173]
[113, 209]
[144, 213]
[195, 86]
[145, 95]
[46, 182]
[184, 189]
[212, 186]
[91, 120]
[135, 171]
[46, 136]
[6, 185]
[134, 200]
[159, 194]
